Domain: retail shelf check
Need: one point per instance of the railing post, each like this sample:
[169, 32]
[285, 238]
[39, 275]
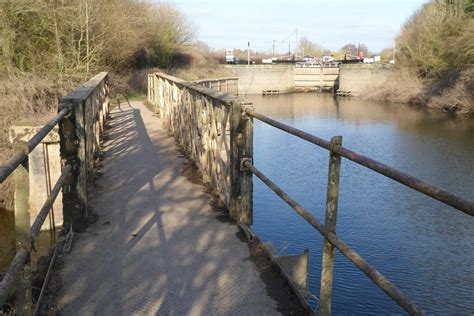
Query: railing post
[22, 229]
[327, 266]
[150, 81]
[73, 152]
[160, 103]
[107, 100]
[158, 94]
[241, 199]
[321, 77]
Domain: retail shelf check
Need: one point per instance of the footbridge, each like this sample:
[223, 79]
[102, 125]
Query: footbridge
[169, 186]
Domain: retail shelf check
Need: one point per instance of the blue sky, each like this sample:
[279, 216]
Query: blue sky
[231, 24]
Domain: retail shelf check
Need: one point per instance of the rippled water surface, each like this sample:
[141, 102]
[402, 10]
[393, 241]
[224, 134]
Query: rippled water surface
[423, 246]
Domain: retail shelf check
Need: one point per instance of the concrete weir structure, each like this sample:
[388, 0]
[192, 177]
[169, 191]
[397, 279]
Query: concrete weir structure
[353, 79]
[276, 79]
[360, 78]
[254, 79]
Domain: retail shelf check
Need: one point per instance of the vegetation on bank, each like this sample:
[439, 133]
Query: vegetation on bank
[435, 58]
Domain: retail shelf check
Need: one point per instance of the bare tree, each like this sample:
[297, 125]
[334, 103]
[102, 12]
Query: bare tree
[306, 47]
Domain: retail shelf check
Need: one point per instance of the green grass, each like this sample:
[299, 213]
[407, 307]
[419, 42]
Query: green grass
[136, 97]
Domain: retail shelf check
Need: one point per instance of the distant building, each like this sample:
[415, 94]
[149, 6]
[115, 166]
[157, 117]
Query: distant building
[229, 56]
[308, 58]
[368, 60]
[328, 59]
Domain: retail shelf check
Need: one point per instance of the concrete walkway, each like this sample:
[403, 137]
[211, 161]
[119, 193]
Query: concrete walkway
[158, 247]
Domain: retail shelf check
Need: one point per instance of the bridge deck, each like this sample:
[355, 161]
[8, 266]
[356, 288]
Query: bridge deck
[158, 247]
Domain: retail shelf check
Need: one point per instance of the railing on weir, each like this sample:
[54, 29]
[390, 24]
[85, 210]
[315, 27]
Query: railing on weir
[81, 118]
[228, 85]
[216, 130]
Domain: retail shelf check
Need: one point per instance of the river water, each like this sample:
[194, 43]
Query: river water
[43, 242]
[423, 246]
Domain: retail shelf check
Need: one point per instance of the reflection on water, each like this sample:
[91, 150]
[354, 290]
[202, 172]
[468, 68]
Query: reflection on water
[7, 240]
[421, 245]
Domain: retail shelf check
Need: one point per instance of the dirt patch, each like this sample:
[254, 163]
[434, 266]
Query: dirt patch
[38, 278]
[277, 287]
[54, 284]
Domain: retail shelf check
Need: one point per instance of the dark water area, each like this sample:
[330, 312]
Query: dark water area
[423, 246]
[7, 240]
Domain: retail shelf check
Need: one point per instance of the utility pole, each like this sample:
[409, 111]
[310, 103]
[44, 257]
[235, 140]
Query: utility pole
[273, 48]
[248, 53]
[296, 42]
[282, 50]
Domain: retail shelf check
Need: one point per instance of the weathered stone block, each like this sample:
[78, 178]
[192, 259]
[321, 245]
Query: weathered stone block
[44, 171]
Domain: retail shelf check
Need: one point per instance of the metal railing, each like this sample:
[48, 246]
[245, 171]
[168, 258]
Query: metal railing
[228, 85]
[328, 230]
[175, 98]
[81, 118]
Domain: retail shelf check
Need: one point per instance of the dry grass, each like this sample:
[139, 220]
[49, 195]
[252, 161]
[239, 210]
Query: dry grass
[402, 86]
[28, 98]
[459, 98]
[451, 93]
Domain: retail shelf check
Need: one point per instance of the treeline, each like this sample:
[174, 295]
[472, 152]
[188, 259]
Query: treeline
[48, 47]
[77, 37]
[435, 49]
[439, 38]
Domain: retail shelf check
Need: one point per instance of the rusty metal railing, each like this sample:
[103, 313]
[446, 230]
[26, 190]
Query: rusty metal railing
[328, 229]
[229, 85]
[390, 172]
[81, 118]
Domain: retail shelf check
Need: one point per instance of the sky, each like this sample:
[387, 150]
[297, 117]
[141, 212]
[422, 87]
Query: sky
[330, 23]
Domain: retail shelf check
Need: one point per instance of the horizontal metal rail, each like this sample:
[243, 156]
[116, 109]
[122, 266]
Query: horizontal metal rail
[378, 278]
[73, 99]
[416, 184]
[15, 267]
[10, 165]
[21, 256]
[216, 79]
[36, 227]
[223, 97]
[35, 140]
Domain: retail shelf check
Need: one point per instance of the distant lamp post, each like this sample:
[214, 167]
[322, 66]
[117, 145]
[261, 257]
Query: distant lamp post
[248, 53]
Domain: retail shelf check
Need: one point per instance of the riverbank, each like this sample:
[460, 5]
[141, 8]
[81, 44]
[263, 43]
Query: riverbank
[436, 45]
[453, 92]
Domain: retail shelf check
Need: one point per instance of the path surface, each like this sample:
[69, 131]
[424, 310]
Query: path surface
[158, 247]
